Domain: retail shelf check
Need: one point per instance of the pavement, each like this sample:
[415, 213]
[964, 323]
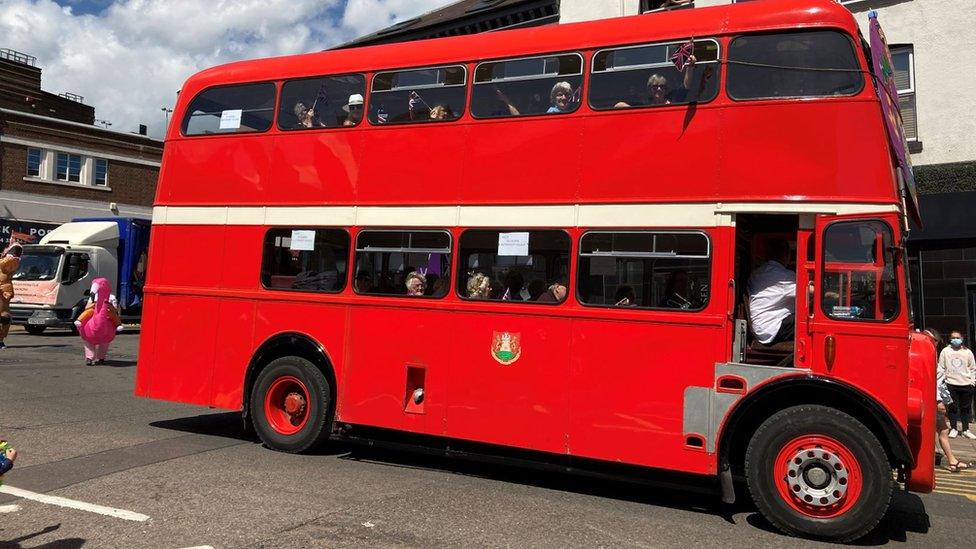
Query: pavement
[101, 468]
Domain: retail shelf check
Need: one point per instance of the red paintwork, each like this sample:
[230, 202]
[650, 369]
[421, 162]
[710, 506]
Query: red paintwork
[286, 405]
[591, 382]
[819, 444]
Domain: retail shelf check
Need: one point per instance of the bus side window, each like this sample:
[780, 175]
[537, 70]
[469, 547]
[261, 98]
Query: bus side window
[859, 281]
[645, 269]
[514, 265]
[419, 95]
[403, 263]
[817, 63]
[322, 102]
[520, 87]
[231, 109]
[645, 76]
[306, 259]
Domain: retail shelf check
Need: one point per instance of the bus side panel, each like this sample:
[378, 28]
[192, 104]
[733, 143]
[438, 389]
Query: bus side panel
[189, 257]
[523, 403]
[385, 345]
[827, 147]
[523, 161]
[147, 349]
[413, 164]
[213, 168]
[241, 257]
[627, 389]
[325, 323]
[652, 156]
[235, 327]
[319, 167]
[184, 343]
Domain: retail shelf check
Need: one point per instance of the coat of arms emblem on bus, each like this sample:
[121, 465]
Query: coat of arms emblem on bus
[506, 347]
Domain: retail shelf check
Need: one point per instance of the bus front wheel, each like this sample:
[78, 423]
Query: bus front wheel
[290, 405]
[817, 472]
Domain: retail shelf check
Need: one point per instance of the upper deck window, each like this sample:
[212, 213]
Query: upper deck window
[419, 95]
[645, 76]
[793, 64]
[326, 102]
[231, 109]
[535, 85]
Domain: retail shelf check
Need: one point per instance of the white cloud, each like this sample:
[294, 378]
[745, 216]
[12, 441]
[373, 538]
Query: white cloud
[130, 59]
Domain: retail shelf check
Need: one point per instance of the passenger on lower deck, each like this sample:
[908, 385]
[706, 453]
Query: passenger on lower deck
[772, 296]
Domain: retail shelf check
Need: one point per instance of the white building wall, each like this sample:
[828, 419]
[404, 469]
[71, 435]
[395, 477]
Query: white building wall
[943, 34]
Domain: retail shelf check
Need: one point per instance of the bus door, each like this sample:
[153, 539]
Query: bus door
[858, 320]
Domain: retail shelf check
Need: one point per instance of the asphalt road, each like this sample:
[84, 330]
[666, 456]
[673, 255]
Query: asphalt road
[202, 482]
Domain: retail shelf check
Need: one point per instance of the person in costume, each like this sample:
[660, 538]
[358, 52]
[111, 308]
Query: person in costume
[9, 262]
[99, 322]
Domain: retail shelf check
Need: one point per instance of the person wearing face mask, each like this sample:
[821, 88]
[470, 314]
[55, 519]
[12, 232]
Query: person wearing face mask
[958, 367]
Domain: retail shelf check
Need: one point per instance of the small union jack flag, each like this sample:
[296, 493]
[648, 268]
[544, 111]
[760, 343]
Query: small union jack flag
[680, 57]
[381, 115]
[414, 99]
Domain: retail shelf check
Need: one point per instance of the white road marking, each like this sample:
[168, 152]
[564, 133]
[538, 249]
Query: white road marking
[9, 508]
[368, 524]
[72, 504]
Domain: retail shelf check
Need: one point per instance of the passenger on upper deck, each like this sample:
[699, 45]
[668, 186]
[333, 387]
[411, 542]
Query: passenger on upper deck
[657, 88]
[306, 116]
[560, 98]
[772, 295]
[626, 296]
[355, 109]
[441, 112]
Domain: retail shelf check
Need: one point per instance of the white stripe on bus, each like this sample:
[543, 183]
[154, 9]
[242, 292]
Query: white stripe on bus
[566, 215]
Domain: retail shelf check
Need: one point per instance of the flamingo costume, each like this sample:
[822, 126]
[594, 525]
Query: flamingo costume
[99, 323]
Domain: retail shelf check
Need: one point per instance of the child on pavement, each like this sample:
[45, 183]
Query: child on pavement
[958, 367]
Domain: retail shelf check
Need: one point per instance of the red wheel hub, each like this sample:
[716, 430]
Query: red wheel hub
[286, 405]
[817, 476]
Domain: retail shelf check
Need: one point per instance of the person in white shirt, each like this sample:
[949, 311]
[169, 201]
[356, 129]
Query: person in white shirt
[772, 296]
[958, 367]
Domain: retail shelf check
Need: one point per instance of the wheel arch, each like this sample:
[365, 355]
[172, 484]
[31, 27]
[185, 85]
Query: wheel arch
[281, 345]
[757, 406]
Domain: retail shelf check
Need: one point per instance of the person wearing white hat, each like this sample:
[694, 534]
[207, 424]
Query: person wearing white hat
[355, 109]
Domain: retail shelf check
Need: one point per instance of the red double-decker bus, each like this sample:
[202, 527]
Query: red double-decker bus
[554, 245]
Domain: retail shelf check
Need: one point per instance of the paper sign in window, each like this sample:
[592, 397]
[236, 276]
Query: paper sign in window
[231, 119]
[513, 244]
[603, 266]
[302, 240]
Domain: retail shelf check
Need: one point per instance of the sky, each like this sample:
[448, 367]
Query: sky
[128, 58]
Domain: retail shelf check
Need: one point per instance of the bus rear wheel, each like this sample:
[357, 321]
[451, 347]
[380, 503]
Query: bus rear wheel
[817, 472]
[291, 406]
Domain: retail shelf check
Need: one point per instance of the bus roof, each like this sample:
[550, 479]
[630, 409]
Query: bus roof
[699, 22]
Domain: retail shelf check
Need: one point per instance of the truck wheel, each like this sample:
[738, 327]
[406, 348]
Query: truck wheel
[817, 472]
[34, 329]
[291, 405]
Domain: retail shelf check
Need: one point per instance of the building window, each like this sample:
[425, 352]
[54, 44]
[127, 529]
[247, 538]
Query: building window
[34, 162]
[101, 172]
[664, 5]
[904, 65]
[69, 167]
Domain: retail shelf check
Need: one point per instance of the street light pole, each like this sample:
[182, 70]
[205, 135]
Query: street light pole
[166, 112]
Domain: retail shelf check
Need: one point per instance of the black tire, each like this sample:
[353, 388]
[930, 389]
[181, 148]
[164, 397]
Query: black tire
[318, 425]
[34, 329]
[786, 426]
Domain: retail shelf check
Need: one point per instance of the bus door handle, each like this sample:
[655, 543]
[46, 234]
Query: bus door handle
[731, 313]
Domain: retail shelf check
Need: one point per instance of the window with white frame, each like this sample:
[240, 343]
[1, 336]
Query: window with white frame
[69, 167]
[34, 159]
[903, 58]
[101, 172]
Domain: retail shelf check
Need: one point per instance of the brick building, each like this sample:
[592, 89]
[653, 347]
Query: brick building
[56, 164]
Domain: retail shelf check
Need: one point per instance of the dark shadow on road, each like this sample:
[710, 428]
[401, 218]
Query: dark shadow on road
[56, 346]
[219, 424]
[118, 363]
[66, 543]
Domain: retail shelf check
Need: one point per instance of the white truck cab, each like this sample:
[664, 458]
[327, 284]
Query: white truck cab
[52, 285]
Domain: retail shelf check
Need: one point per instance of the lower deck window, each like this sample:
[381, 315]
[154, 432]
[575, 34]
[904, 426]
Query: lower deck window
[650, 270]
[403, 263]
[306, 259]
[514, 265]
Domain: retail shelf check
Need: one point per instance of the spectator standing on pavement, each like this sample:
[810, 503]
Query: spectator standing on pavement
[958, 367]
[9, 262]
[944, 399]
